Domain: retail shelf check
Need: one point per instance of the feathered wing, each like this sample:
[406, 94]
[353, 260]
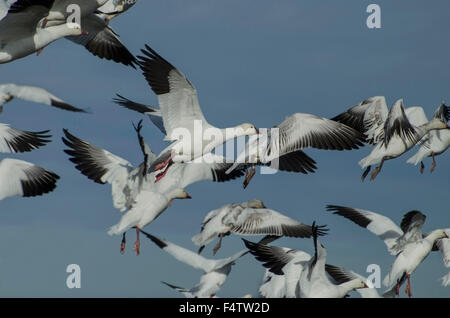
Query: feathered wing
[101, 166]
[102, 41]
[177, 97]
[184, 255]
[14, 140]
[25, 179]
[397, 123]
[153, 113]
[265, 221]
[37, 95]
[378, 224]
[367, 117]
[442, 112]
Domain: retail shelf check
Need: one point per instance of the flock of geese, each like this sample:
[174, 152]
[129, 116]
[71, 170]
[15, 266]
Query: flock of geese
[144, 192]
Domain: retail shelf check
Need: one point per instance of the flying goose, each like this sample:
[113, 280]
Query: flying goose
[435, 142]
[392, 132]
[314, 283]
[32, 94]
[406, 242]
[102, 40]
[285, 141]
[215, 271]
[183, 119]
[20, 34]
[247, 218]
[149, 204]
[22, 178]
[296, 161]
[284, 267]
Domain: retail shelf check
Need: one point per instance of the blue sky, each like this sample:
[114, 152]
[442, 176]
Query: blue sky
[251, 61]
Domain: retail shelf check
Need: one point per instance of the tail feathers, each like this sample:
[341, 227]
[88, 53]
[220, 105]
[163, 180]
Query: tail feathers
[116, 230]
[198, 239]
[364, 162]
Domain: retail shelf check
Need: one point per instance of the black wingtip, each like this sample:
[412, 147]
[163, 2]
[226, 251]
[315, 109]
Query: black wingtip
[156, 240]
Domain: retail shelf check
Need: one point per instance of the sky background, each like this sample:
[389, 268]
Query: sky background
[251, 61]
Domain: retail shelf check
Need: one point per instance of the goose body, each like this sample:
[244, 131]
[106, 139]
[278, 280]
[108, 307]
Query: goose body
[183, 119]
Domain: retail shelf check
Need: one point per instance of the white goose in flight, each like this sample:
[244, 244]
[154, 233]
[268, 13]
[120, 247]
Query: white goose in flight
[20, 34]
[248, 218]
[134, 189]
[183, 119]
[33, 94]
[281, 147]
[435, 142]
[392, 132]
[215, 271]
[295, 161]
[406, 242]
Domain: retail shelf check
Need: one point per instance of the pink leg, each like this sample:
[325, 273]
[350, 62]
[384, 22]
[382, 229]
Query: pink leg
[433, 165]
[162, 174]
[408, 287]
[165, 163]
[137, 244]
[122, 244]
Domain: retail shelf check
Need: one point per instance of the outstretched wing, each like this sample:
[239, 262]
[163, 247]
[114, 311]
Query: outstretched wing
[14, 140]
[25, 179]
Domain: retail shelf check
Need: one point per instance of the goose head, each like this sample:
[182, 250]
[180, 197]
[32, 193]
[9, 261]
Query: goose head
[178, 194]
[248, 129]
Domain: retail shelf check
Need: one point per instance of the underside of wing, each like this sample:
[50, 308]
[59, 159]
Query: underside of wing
[13, 140]
[25, 179]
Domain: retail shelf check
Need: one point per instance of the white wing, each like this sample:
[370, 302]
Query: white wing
[177, 97]
[36, 95]
[25, 179]
[397, 123]
[367, 117]
[378, 224]
[13, 140]
[101, 166]
[190, 258]
[4, 7]
[416, 115]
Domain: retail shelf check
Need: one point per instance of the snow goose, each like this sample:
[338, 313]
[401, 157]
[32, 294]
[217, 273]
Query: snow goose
[391, 132]
[435, 142]
[406, 242]
[102, 167]
[148, 206]
[215, 271]
[341, 275]
[410, 258]
[33, 94]
[283, 144]
[314, 283]
[14, 140]
[102, 40]
[247, 218]
[296, 161]
[22, 178]
[20, 35]
[182, 116]
[285, 266]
